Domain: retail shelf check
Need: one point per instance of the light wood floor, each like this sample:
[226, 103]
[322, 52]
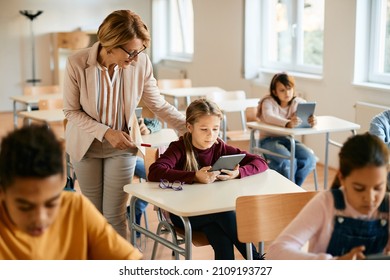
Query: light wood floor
[146, 245]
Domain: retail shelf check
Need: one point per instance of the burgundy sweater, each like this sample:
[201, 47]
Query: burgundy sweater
[170, 164]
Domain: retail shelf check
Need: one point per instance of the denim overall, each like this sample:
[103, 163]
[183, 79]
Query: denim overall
[349, 232]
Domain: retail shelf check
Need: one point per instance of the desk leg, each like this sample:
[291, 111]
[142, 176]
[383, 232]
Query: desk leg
[15, 116]
[292, 158]
[326, 160]
[29, 109]
[176, 102]
[132, 220]
[252, 141]
[188, 237]
[224, 137]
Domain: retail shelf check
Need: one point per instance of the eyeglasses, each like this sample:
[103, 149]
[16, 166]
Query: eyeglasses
[133, 54]
[176, 185]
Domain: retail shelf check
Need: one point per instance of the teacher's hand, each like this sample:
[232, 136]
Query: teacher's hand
[119, 139]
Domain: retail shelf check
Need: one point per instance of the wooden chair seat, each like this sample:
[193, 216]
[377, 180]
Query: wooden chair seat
[262, 218]
[199, 239]
[238, 135]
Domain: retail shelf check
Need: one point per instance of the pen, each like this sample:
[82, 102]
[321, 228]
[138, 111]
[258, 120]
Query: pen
[145, 145]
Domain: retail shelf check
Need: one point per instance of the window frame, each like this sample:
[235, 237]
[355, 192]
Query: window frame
[259, 32]
[162, 31]
[377, 43]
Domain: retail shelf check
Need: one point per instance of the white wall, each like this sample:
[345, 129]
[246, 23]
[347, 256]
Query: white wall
[58, 16]
[218, 51]
[218, 61]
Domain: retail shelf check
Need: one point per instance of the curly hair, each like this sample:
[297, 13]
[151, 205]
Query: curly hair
[31, 151]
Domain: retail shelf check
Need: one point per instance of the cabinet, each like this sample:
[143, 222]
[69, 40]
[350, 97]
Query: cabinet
[63, 44]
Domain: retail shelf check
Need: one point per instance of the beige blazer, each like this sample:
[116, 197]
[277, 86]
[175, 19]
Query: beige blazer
[80, 100]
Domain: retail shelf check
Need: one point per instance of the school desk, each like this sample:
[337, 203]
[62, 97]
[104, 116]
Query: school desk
[200, 199]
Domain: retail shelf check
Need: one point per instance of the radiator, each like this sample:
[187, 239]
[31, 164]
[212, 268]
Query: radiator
[167, 72]
[364, 112]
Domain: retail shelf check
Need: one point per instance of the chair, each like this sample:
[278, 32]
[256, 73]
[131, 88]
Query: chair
[262, 218]
[174, 83]
[248, 115]
[164, 226]
[49, 104]
[37, 90]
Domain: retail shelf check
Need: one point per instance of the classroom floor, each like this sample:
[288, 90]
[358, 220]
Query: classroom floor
[146, 245]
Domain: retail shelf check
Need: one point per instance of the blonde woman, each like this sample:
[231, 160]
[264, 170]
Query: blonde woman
[102, 87]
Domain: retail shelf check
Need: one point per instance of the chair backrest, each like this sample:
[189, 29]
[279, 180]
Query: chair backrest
[263, 217]
[49, 104]
[37, 90]
[250, 114]
[217, 96]
[151, 154]
[174, 83]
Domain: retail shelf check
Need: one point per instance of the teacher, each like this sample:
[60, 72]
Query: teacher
[103, 85]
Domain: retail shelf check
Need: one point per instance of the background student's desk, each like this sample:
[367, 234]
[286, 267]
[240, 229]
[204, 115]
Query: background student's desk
[29, 101]
[188, 93]
[325, 124]
[230, 106]
[47, 116]
[160, 138]
[200, 199]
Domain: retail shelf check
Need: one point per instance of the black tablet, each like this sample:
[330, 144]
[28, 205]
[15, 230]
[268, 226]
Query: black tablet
[304, 111]
[227, 162]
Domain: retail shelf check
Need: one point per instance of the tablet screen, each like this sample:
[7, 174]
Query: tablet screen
[304, 111]
[138, 112]
[227, 162]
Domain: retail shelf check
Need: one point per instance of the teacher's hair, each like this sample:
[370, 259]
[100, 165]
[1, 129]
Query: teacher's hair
[120, 27]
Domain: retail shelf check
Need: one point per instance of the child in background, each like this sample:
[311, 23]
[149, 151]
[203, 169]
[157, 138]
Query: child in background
[189, 159]
[278, 108]
[351, 220]
[38, 220]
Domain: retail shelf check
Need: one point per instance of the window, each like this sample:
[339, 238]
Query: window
[372, 53]
[380, 44]
[291, 34]
[173, 30]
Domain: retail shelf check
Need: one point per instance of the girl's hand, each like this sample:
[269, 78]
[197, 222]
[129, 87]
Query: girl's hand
[312, 120]
[294, 121]
[229, 174]
[204, 176]
[142, 127]
[119, 139]
[355, 254]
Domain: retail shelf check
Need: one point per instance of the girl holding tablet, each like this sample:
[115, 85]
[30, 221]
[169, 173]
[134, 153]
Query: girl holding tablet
[190, 159]
[279, 108]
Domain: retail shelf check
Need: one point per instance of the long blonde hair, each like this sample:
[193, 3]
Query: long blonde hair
[197, 109]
